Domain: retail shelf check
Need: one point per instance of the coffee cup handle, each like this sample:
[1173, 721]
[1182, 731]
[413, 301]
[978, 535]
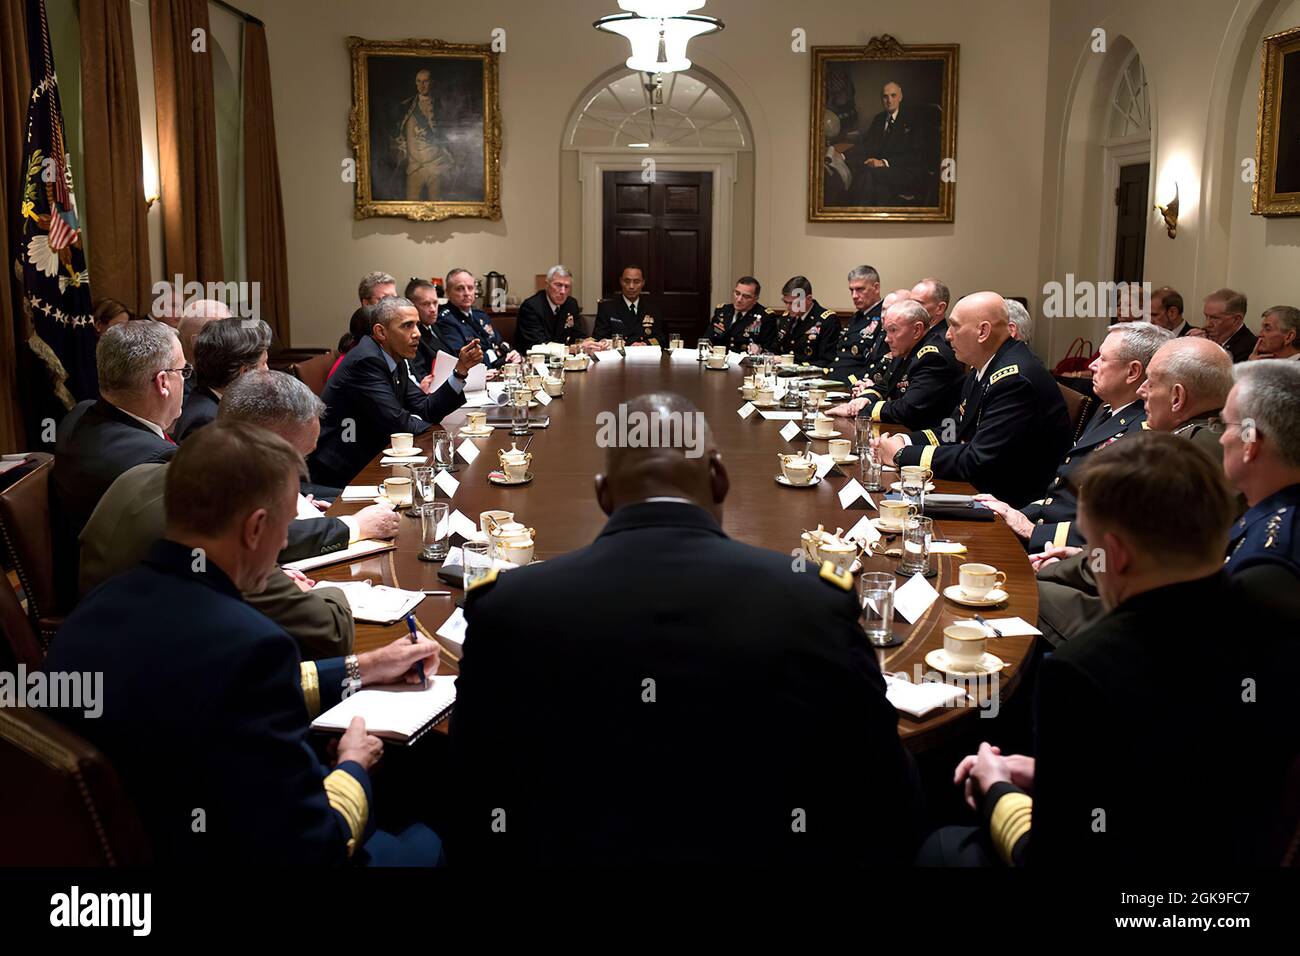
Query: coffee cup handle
[1001, 577]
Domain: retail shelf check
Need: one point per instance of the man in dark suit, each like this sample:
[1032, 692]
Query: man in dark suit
[743, 324]
[224, 350]
[1225, 323]
[863, 331]
[424, 296]
[205, 703]
[371, 395]
[768, 716]
[924, 379]
[631, 314]
[141, 370]
[805, 328]
[1112, 790]
[1010, 428]
[459, 322]
[551, 315]
[888, 162]
[1167, 311]
[1118, 372]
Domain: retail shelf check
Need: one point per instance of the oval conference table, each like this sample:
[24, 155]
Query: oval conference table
[560, 504]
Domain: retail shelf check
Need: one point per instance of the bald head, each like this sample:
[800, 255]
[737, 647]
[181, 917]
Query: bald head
[198, 314]
[977, 328]
[659, 446]
[1187, 378]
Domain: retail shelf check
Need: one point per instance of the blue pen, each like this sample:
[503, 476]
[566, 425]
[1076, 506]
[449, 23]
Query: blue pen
[410, 623]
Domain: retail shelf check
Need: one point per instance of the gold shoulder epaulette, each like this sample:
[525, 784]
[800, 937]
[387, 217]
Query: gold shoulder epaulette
[1003, 373]
[928, 350]
[1146, 426]
[721, 306]
[769, 311]
[841, 579]
[828, 313]
[489, 578]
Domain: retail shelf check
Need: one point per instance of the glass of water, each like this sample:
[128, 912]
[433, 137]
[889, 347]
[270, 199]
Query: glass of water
[478, 561]
[869, 462]
[917, 533]
[519, 399]
[703, 350]
[424, 482]
[876, 590]
[809, 411]
[434, 528]
[913, 492]
[444, 451]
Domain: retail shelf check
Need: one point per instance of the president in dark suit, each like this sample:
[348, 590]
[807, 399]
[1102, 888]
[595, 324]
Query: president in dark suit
[631, 314]
[205, 705]
[552, 315]
[371, 395]
[762, 720]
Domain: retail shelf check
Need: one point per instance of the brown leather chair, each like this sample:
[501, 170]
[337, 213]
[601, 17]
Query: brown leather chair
[25, 527]
[1080, 408]
[314, 371]
[62, 803]
[21, 645]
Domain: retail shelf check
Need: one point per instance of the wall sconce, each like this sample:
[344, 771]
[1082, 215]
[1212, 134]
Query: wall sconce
[149, 201]
[1170, 214]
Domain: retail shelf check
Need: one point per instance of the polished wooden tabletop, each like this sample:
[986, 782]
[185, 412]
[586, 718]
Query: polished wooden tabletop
[560, 504]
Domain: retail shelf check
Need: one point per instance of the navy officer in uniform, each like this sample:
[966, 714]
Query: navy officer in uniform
[552, 315]
[863, 331]
[924, 380]
[1118, 372]
[744, 324]
[1011, 427]
[424, 296]
[663, 703]
[630, 314]
[206, 705]
[459, 323]
[807, 330]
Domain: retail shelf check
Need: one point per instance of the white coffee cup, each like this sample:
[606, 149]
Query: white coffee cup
[824, 426]
[716, 361]
[839, 553]
[401, 441]
[977, 580]
[797, 469]
[894, 513]
[398, 490]
[477, 421]
[840, 448]
[964, 644]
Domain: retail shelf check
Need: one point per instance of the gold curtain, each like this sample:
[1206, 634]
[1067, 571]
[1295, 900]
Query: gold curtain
[15, 87]
[187, 139]
[263, 207]
[112, 169]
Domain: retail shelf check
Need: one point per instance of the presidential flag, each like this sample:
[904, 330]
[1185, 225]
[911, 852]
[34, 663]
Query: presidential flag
[55, 281]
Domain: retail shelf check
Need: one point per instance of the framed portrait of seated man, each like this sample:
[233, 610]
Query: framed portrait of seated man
[883, 133]
[425, 129]
[1277, 132]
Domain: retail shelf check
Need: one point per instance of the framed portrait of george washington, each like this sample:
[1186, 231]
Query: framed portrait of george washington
[883, 133]
[425, 129]
[1277, 131]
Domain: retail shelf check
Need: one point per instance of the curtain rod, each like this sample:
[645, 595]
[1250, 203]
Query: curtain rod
[248, 17]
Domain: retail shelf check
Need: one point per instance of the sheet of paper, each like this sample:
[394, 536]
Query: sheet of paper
[375, 604]
[442, 368]
[947, 547]
[746, 410]
[446, 483]
[494, 391]
[851, 492]
[308, 510]
[479, 399]
[360, 492]
[468, 451]
[453, 629]
[864, 531]
[1009, 626]
[734, 358]
[684, 356]
[611, 355]
[643, 353]
[790, 431]
[779, 416]
[919, 699]
[542, 397]
[358, 549]
[465, 528]
[413, 460]
[914, 598]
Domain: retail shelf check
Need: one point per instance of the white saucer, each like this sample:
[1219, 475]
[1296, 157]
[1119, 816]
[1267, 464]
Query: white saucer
[409, 453]
[878, 524]
[845, 461]
[499, 478]
[898, 486]
[987, 664]
[723, 369]
[782, 480]
[827, 437]
[953, 592]
[467, 432]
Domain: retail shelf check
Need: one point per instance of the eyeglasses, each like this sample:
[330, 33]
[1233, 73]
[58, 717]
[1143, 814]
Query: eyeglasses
[1222, 424]
[186, 372]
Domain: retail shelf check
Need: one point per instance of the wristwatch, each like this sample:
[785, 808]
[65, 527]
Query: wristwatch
[352, 682]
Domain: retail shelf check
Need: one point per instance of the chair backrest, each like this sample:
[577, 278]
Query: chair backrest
[313, 371]
[62, 804]
[25, 527]
[1080, 408]
[21, 645]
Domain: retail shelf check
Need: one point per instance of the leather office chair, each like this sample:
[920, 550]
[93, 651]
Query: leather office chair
[25, 527]
[314, 371]
[62, 803]
[1080, 408]
[21, 645]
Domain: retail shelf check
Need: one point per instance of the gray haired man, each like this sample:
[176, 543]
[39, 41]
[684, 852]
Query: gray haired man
[551, 315]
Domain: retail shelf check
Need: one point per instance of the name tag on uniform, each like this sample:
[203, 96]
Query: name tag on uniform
[490, 356]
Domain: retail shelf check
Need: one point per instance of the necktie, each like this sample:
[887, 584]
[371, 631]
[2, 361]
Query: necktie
[633, 308]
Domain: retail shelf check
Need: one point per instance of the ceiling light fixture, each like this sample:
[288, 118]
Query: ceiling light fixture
[658, 31]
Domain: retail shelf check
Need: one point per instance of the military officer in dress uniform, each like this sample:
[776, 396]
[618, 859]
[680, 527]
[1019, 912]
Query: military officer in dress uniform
[459, 322]
[925, 379]
[744, 324]
[1011, 425]
[807, 329]
[631, 315]
[424, 296]
[1118, 372]
[551, 315]
[863, 331]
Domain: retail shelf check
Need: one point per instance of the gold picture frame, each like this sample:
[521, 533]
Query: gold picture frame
[1276, 189]
[845, 183]
[425, 150]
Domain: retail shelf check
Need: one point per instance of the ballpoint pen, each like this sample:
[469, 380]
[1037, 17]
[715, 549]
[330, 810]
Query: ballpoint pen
[980, 618]
[410, 623]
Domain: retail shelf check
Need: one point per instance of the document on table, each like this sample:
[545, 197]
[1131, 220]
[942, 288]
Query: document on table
[360, 493]
[414, 461]
[1009, 626]
[359, 549]
[375, 603]
[775, 416]
[919, 699]
[398, 712]
[446, 362]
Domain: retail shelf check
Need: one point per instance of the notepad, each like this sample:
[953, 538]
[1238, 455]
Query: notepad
[360, 549]
[402, 713]
[375, 603]
[919, 699]
[360, 493]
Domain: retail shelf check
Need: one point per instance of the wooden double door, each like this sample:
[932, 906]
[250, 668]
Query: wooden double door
[666, 227]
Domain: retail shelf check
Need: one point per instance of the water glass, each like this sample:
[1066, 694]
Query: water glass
[869, 462]
[434, 530]
[617, 343]
[876, 591]
[913, 492]
[703, 349]
[555, 366]
[444, 451]
[917, 532]
[519, 399]
[809, 411]
[423, 477]
[862, 435]
[478, 561]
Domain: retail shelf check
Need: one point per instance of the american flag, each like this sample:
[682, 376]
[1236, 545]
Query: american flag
[61, 234]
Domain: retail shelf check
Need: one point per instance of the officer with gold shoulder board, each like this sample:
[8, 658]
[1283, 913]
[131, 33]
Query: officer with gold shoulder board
[807, 330]
[744, 324]
[863, 331]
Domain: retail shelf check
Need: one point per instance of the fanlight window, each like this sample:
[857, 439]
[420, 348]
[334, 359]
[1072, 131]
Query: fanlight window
[686, 112]
[1130, 112]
